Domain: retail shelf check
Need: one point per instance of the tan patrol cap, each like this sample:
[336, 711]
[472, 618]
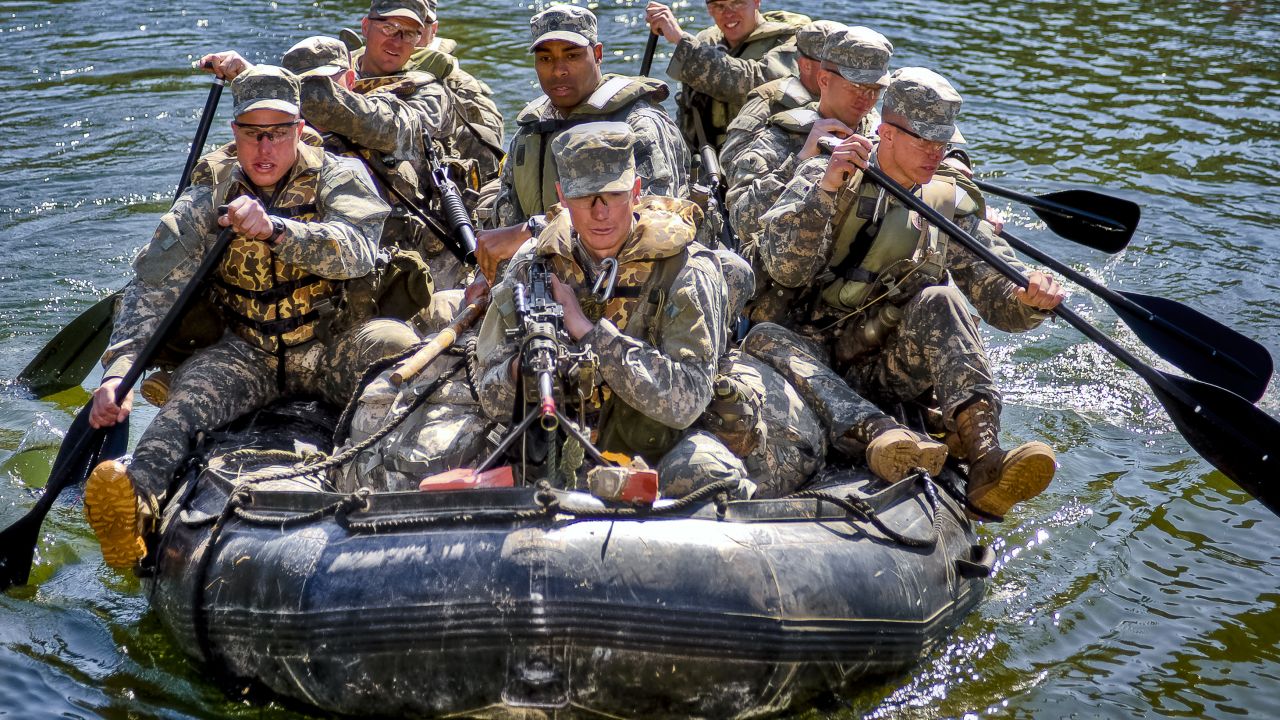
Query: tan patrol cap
[811, 37]
[265, 87]
[859, 54]
[570, 23]
[923, 102]
[595, 158]
[317, 55]
[421, 12]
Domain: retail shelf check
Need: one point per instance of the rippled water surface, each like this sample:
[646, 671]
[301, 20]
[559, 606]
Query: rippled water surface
[1141, 584]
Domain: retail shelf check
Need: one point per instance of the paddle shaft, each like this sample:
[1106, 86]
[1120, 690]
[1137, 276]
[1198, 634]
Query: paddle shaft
[1049, 205]
[650, 47]
[202, 134]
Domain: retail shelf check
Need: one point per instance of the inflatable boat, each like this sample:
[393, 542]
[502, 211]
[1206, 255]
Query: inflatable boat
[546, 602]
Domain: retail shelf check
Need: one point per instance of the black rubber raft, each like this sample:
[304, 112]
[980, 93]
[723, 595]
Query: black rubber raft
[533, 602]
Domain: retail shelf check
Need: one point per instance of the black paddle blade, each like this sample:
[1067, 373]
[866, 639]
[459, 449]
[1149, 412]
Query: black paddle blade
[1102, 222]
[1201, 346]
[81, 450]
[70, 356]
[1233, 434]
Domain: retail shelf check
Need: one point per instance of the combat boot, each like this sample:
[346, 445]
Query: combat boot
[999, 478]
[117, 515]
[893, 450]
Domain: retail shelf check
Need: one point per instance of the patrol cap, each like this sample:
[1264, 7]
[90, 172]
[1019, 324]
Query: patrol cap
[265, 87]
[811, 37]
[859, 54]
[422, 12]
[595, 158]
[923, 102]
[317, 55]
[571, 23]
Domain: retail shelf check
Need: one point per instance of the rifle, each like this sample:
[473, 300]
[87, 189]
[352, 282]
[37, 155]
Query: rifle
[714, 182]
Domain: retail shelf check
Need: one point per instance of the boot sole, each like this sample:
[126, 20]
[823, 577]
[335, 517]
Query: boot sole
[902, 456]
[1026, 472]
[112, 510]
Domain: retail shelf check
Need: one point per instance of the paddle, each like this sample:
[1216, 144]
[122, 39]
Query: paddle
[1201, 346]
[1225, 429]
[66, 360]
[87, 446]
[650, 47]
[1107, 224]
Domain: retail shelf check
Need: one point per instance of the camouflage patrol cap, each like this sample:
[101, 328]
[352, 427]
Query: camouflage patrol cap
[859, 54]
[419, 11]
[265, 87]
[571, 23]
[317, 55]
[811, 37]
[923, 102]
[595, 158]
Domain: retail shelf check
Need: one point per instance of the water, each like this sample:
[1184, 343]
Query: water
[1141, 584]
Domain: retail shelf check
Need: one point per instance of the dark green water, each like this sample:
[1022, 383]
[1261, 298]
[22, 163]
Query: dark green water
[1141, 584]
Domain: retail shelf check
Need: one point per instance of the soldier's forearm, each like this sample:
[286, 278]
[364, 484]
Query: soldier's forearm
[337, 250]
[671, 392]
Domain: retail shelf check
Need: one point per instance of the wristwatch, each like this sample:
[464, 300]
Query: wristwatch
[277, 229]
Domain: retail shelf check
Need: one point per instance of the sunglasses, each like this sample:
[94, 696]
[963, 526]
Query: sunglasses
[273, 134]
[392, 30]
[933, 146]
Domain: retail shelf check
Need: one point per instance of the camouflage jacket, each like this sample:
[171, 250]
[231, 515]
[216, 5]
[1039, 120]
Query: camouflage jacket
[670, 380]
[662, 158]
[766, 164]
[716, 80]
[340, 244]
[798, 249]
[771, 98]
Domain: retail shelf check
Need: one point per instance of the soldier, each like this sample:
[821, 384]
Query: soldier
[855, 67]
[875, 284]
[785, 93]
[743, 50]
[568, 59]
[657, 337]
[305, 222]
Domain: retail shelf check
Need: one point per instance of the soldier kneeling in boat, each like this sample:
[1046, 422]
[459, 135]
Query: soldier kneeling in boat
[639, 296]
[305, 223]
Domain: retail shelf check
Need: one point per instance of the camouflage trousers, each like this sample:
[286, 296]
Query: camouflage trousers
[936, 346]
[805, 365]
[697, 460]
[447, 431]
[232, 377]
[794, 445]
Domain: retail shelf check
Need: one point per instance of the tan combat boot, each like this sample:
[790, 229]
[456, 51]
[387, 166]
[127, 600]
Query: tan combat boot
[999, 478]
[116, 514]
[893, 450]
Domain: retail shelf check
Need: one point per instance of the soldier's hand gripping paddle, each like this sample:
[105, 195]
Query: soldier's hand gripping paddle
[1102, 222]
[1225, 429]
[1194, 342]
[85, 447]
[68, 358]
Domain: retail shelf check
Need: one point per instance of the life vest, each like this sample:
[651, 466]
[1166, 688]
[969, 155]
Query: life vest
[663, 242]
[270, 303]
[779, 27]
[534, 169]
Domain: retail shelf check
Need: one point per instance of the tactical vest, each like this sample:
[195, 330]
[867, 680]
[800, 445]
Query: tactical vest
[534, 170]
[270, 303]
[640, 295]
[779, 26]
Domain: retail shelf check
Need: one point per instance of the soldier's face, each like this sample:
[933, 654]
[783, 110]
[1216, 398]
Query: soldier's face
[266, 144]
[906, 157]
[567, 73]
[845, 101]
[603, 221]
[388, 44]
[736, 18]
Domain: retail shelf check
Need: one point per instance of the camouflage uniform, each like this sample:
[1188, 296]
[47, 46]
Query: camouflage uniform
[936, 342]
[716, 79]
[244, 369]
[527, 185]
[769, 161]
[775, 96]
[659, 338]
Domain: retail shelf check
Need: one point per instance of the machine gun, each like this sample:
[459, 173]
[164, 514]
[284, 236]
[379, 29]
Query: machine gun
[461, 237]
